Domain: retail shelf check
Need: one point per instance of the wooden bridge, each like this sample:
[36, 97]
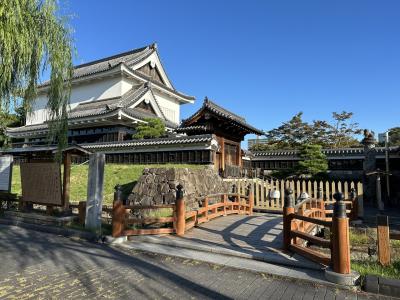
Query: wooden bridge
[298, 226]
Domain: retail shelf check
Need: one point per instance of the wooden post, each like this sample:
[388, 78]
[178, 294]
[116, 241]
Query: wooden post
[180, 211]
[205, 205]
[118, 213]
[288, 211]
[251, 199]
[66, 180]
[354, 204]
[340, 257]
[82, 212]
[225, 200]
[383, 240]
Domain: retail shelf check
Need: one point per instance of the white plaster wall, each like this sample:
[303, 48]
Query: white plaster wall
[169, 106]
[84, 92]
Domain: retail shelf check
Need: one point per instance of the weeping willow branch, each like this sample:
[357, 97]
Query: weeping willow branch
[34, 38]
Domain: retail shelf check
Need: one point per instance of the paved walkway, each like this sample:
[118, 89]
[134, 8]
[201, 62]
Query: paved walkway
[37, 265]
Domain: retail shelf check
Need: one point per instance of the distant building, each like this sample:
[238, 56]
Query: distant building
[342, 162]
[251, 142]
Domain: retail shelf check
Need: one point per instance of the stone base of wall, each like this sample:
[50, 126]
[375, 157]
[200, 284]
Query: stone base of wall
[158, 186]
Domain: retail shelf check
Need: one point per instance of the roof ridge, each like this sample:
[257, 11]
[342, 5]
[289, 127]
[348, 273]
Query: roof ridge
[113, 56]
[208, 101]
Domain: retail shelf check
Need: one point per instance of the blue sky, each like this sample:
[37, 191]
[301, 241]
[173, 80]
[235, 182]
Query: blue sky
[264, 60]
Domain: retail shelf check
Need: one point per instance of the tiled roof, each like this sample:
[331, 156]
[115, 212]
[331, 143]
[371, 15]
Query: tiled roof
[103, 107]
[192, 128]
[107, 63]
[222, 112]
[329, 152]
[152, 142]
[129, 58]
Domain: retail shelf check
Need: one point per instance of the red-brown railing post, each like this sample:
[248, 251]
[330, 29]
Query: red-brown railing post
[340, 257]
[251, 199]
[225, 201]
[180, 211]
[288, 211]
[205, 205]
[118, 213]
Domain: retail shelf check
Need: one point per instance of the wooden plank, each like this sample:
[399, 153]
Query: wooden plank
[346, 190]
[383, 240]
[150, 206]
[147, 231]
[311, 254]
[190, 225]
[311, 238]
[394, 235]
[191, 214]
[257, 194]
[282, 200]
[149, 220]
[313, 220]
[327, 191]
[264, 195]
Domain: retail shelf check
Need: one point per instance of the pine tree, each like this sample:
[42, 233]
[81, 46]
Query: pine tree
[312, 160]
[153, 128]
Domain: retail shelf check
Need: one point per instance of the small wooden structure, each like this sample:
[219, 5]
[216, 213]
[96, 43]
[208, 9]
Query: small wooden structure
[299, 221]
[229, 129]
[41, 175]
[181, 220]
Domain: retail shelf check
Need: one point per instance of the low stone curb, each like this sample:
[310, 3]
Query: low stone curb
[52, 229]
[204, 248]
[382, 286]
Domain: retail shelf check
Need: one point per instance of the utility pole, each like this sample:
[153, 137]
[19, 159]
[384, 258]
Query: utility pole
[387, 165]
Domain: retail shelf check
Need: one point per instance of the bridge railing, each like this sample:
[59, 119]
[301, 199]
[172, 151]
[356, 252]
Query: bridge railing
[301, 221]
[181, 219]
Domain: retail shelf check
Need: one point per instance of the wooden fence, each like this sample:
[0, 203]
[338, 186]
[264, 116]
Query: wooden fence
[264, 191]
[181, 220]
[300, 222]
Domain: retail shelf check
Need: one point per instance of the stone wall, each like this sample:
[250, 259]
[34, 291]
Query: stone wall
[158, 186]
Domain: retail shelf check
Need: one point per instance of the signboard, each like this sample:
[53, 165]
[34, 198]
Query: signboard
[41, 183]
[5, 172]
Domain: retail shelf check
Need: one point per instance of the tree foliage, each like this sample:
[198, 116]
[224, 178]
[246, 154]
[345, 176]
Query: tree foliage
[153, 128]
[294, 133]
[7, 120]
[34, 38]
[312, 160]
[394, 136]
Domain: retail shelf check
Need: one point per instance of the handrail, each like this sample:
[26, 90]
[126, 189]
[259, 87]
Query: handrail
[221, 194]
[149, 206]
[305, 201]
[312, 220]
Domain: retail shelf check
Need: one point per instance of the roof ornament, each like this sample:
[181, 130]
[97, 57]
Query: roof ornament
[154, 46]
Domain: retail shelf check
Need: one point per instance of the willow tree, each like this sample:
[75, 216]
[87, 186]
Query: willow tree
[35, 38]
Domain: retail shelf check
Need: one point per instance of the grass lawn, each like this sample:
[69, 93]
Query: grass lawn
[370, 266]
[125, 175]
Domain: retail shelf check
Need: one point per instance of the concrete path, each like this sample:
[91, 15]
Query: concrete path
[36, 265]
